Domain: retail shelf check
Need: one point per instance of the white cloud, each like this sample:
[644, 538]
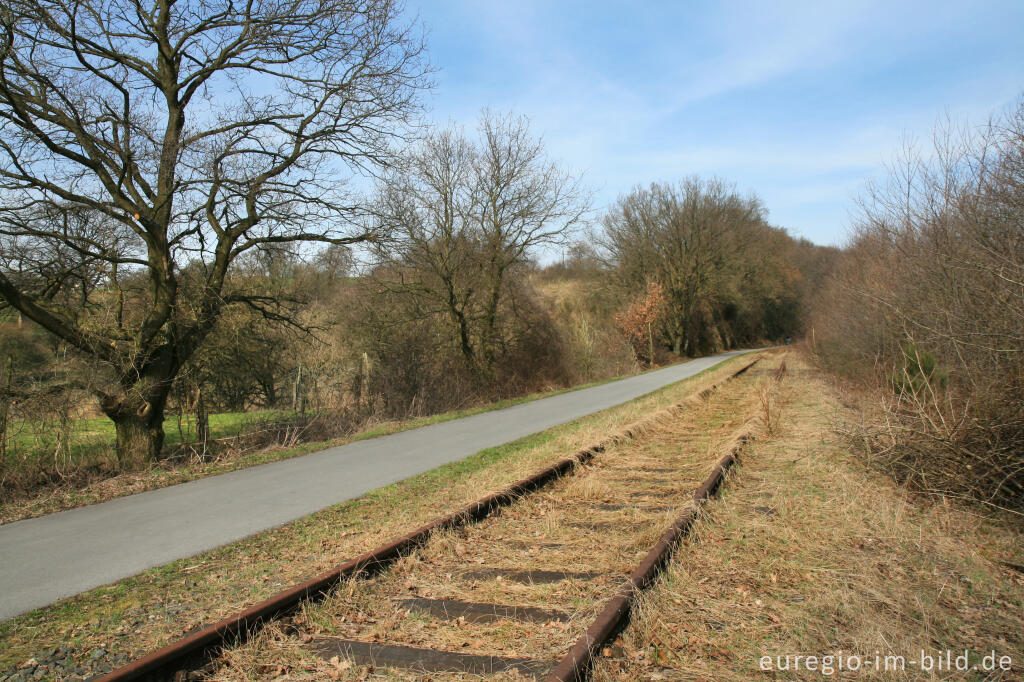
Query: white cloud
[627, 97]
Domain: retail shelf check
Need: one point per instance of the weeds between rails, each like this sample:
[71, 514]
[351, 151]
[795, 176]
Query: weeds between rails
[195, 650]
[614, 617]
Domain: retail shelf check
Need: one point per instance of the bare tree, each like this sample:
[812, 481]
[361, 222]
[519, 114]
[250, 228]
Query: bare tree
[689, 239]
[138, 138]
[463, 213]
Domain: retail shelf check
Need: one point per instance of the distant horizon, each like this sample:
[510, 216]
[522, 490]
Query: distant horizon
[799, 105]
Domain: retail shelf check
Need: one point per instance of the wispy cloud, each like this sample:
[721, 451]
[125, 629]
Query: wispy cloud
[797, 101]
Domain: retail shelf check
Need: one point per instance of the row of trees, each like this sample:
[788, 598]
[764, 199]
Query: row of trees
[727, 277]
[425, 324]
[927, 309]
[165, 167]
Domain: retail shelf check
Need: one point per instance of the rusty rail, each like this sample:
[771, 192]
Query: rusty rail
[165, 662]
[575, 666]
[193, 650]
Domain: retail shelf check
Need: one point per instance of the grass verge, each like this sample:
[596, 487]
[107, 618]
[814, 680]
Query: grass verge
[106, 626]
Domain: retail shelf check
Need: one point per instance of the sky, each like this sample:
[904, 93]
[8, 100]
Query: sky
[799, 103]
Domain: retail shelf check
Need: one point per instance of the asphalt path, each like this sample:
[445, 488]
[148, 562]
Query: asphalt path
[51, 557]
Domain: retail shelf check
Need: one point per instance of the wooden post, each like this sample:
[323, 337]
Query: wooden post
[5, 405]
[364, 379]
[650, 345]
[202, 419]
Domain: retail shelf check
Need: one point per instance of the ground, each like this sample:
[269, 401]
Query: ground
[590, 528]
[809, 552]
[133, 616]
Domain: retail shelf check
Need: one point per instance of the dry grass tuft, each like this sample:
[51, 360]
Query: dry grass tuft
[770, 415]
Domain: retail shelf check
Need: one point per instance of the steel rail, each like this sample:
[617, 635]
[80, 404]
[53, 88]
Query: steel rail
[575, 666]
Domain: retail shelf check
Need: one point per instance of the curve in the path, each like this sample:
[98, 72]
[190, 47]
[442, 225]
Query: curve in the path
[60, 555]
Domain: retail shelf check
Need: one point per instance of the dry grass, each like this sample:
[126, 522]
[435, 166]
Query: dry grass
[770, 415]
[810, 553]
[136, 615]
[542, 531]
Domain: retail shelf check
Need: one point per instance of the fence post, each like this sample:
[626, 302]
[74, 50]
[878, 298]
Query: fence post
[5, 406]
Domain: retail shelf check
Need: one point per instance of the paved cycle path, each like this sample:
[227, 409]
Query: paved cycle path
[60, 555]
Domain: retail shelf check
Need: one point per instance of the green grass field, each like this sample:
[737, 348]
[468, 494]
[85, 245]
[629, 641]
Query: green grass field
[92, 439]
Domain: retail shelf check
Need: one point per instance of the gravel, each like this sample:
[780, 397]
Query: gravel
[65, 663]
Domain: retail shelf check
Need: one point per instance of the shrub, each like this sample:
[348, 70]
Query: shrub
[927, 310]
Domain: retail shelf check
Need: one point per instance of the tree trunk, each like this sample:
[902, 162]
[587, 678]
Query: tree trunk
[202, 418]
[139, 441]
[491, 319]
[464, 341]
[139, 424]
[5, 408]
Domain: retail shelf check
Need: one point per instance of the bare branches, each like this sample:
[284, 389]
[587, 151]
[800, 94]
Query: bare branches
[935, 273]
[191, 132]
[460, 213]
[702, 243]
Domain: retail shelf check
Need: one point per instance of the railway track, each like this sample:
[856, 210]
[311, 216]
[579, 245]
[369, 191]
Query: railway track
[503, 584]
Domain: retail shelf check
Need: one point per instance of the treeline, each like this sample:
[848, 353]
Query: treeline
[706, 268]
[926, 309]
[448, 307]
[163, 254]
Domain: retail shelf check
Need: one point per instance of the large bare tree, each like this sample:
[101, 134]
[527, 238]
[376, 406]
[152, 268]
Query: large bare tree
[146, 144]
[462, 213]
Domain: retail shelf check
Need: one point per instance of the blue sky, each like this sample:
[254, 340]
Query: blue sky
[799, 102]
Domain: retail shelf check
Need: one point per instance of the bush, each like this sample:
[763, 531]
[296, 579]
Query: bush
[927, 310]
[919, 373]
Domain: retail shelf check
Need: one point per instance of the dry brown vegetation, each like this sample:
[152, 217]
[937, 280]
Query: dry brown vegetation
[926, 312]
[810, 553]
